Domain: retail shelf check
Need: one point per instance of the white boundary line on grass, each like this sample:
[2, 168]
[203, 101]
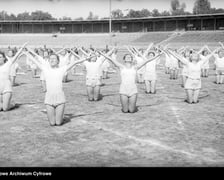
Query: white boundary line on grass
[152, 142]
[174, 109]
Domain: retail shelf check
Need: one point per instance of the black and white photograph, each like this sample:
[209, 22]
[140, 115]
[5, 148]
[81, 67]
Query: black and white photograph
[111, 83]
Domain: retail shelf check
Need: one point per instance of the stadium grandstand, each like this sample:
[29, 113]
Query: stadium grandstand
[150, 24]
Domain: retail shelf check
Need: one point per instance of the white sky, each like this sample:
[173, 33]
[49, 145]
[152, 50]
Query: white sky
[81, 8]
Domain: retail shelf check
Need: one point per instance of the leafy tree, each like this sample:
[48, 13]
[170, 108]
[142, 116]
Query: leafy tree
[40, 15]
[202, 7]
[90, 16]
[11, 17]
[3, 15]
[137, 14]
[177, 8]
[66, 18]
[79, 18]
[133, 14]
[155, 13]
[23, 16]
[214, 10]
[165, 13]
[145, 13]
[117, 13]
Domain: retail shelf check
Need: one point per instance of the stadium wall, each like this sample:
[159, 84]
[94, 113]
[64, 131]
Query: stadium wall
[168, 23]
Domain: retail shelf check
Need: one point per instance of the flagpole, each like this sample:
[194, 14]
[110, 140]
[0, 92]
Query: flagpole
[110, 17]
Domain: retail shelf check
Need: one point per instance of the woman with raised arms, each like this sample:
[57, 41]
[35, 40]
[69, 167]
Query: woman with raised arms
[5, 82]
[128, 88]
[54, 97]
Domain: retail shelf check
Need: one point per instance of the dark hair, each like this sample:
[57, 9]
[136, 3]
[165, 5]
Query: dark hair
[203, 52]
[54, 54]
[13, 51]
[151, 52]
[3, 54]
[124, 57]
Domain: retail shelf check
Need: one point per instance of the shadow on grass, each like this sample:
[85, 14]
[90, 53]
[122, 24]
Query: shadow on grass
[101, 96]
[18, 84]
[68, 81]
[68, 117]
[138, 106]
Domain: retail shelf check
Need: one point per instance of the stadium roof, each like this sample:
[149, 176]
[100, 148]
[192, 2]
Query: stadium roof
[120, 19]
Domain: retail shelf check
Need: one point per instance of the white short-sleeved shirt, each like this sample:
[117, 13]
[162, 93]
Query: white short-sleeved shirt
[93, 68]
[54, 78]
[128, 76]
[13, 69]
[205, 58]
[174, 63]
[151, 67]
[194, 70]
[219, 62]
[105, 65]
[167, 60]
[5, 71]
[64, 60]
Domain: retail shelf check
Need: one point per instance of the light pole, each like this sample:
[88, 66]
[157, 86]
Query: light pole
[110, 24]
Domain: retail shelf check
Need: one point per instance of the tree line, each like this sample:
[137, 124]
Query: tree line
[176, 8]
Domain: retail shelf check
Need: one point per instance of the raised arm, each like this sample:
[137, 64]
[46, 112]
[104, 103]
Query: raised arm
[14, 58]
[102, 59]
[212, 53]
[177, 56]
[75, 54]
[136, 51]
[59, 51]
[115, 62]
[40, 59]
[147, 50]
[147, 61]
[202, 49]
[131, 51]
[77, 62]
[33, 59]
[221, 44]
[84, 52]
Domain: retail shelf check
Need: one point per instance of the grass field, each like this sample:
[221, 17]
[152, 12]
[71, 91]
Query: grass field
[165, 131]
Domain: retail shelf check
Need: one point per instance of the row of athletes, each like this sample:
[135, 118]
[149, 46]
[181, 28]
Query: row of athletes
[54, 73]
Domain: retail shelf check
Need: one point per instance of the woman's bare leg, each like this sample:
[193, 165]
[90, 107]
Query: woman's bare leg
[147, 86]
[96, 94]
[153, 86]
[124, 103]
[6, 101]
[59, 114]
[132, 103]
[51, 115]
[195, 95]
[90, 93]
[189, 95]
